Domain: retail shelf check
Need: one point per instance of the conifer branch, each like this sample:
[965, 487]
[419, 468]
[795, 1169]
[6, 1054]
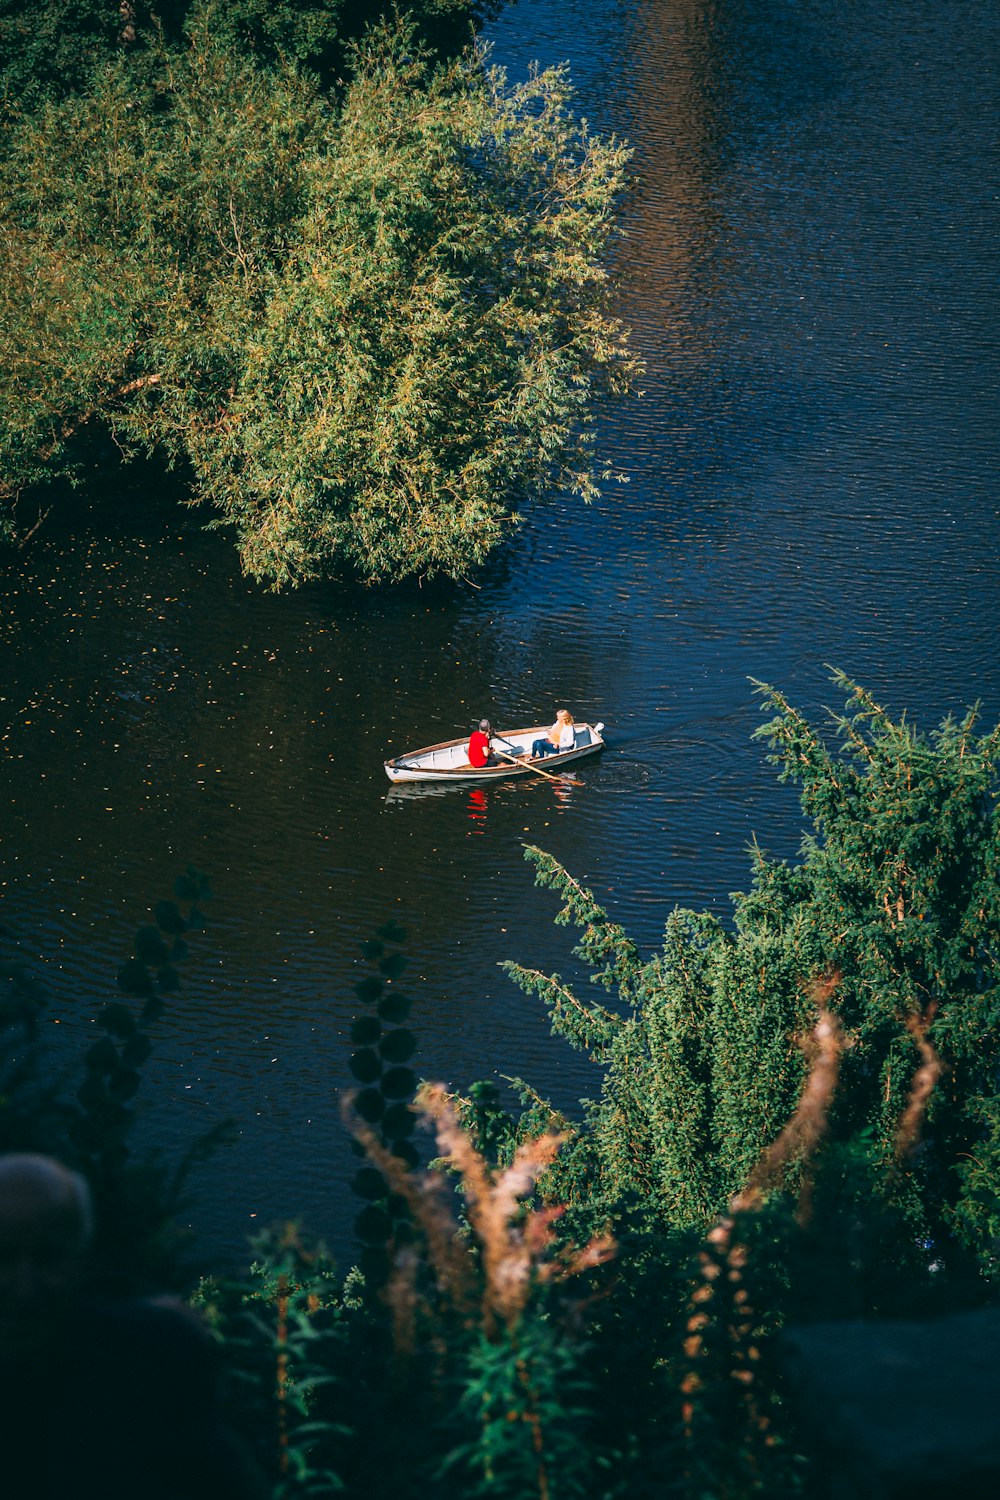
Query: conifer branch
[586, 1026]
[604, 943]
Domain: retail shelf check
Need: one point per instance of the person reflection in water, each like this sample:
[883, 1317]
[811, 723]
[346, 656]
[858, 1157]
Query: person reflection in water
[477, 810]
[99, 1400]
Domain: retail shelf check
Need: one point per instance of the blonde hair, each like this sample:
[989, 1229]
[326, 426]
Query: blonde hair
[563, 716]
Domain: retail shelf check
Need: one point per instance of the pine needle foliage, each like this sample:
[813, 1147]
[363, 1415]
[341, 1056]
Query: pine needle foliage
[977, 1212]
[368, 325]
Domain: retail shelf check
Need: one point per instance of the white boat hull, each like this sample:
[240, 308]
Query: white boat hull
[448, 762]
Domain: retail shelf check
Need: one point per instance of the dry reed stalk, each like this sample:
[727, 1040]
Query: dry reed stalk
[722, 1261]
[510, 1253]
[805, 1129]
[720, 1295]
[511, 1243]
[537, 1436]
[720, 1298]
[404, 1301]
[454, 1143]
[922, 1085]
[426, 1194]
[281, 1372]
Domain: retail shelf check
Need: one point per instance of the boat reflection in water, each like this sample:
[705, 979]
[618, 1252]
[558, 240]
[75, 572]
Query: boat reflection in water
[478, 795]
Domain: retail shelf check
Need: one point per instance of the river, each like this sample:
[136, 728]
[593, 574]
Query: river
[811, 272]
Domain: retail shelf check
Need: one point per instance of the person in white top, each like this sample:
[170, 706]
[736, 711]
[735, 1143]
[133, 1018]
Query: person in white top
[562, 736]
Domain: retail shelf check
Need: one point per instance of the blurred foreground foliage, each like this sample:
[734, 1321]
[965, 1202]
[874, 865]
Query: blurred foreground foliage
[366, 322]
[795, 1120]
[87, 1119]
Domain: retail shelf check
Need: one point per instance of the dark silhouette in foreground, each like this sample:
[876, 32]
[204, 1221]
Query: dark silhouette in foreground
[98, 1398]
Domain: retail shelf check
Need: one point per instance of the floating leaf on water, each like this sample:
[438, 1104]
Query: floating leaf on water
[398, 1083]
[392, 932]
[393, 966]
[394, 1007]
[123, 1083]
[168, 917]
[365, 1031]
[150, 947]
[133, 978]
[102, 1057]
[398, 1046]
[136, 1050]
[373, 1225]
[116, 1019]
[167, 979]
[370, 1105]
[152, 1010]
[91, 1092]
[365, 1065]
[398, 1120]
[368, 990]
[368, 1183]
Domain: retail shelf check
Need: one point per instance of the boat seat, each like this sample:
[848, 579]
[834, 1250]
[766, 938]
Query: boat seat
[583, 737]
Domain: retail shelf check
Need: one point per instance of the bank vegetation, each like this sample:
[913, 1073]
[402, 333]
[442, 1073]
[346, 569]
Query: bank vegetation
[794, 1119]
[353, 289]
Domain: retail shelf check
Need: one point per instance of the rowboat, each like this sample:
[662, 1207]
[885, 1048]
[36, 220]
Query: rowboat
[449, 761]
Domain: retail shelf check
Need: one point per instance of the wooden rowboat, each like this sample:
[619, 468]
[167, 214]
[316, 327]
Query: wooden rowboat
[449, 761]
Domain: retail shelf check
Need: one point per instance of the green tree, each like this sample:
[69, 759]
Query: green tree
[49, 51]
[895, 905]
[370, 330]
[797, 1115]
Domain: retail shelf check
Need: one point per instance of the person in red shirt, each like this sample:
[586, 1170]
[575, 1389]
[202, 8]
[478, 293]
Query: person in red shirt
[480, 749]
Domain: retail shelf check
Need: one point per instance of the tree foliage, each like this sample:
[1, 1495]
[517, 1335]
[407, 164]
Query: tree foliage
[895, 904]
[797, 1115]
[49, 51]
[369, 327]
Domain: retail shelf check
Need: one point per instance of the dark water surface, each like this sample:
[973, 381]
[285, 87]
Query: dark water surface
[811, 273]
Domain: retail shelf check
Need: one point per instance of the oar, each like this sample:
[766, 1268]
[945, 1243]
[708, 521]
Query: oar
[517, 761]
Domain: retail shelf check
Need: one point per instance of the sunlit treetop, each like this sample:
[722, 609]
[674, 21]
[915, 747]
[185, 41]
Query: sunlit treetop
[369, 325]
